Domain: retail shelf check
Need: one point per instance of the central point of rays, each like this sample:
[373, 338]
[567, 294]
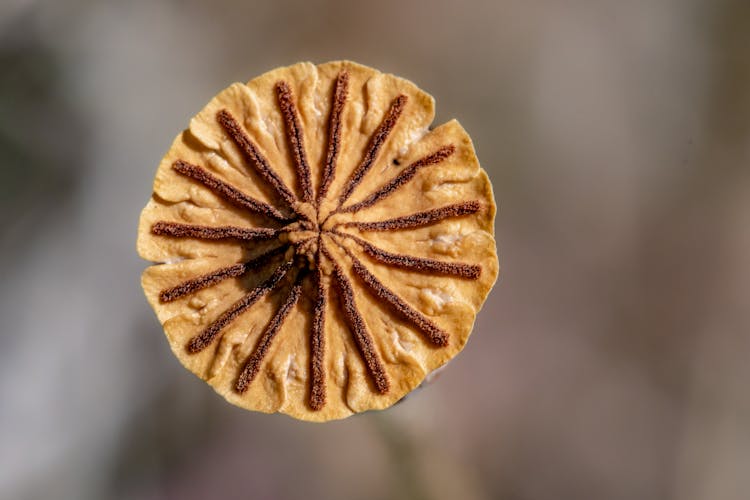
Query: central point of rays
[304, 234]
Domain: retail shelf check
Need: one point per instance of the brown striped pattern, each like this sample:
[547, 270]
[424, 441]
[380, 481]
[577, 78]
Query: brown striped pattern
[226, 191]
[201, 341]
[418, 264]
[362, 336]
[305, 252]
[217, 276]
[295, 138]
[253, 154]
[401, 179]
[420, 218]
[340, 92]
[376, 143]
[179, 230]
[261, 349]
[318, 345]
[433, 332]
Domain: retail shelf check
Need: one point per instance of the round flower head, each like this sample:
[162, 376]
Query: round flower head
[319, 247]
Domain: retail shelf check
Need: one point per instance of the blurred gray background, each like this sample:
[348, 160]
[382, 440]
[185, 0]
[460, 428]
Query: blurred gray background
[611, 360]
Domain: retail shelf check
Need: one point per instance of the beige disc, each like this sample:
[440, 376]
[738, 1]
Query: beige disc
[319, 247]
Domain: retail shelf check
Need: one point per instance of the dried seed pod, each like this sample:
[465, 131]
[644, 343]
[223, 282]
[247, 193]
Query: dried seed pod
[319, 248]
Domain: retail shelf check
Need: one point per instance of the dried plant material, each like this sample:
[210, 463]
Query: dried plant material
[319, 249]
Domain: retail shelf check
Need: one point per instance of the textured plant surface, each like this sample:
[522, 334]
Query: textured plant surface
[321, 249]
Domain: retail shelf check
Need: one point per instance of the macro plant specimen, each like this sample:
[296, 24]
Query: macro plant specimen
[319, 248]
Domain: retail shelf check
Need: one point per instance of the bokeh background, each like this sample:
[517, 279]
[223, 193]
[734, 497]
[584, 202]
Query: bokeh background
[611, 361]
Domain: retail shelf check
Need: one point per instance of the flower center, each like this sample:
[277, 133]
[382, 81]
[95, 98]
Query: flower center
[304, 234]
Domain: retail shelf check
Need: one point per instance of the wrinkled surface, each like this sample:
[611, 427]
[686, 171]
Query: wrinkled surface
[283, 382]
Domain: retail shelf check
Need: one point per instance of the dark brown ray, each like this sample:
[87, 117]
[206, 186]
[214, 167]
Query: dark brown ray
[420, 218]
[318, 345]
[295, 137]
[434, 333]
[340, 93]
[359, 331]
[376, 142]
[251, 152]
[227, 191]
[405, 176]
[261, 349]
[202, 340]
[178, 230]
[420, 264]
[214, 277]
